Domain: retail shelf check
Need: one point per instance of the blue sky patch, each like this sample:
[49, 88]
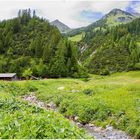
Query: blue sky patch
[131, 6]
[91, 15]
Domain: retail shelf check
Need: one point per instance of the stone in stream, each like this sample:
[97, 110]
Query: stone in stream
[51, 105]
[109, 128]
[40, 104]
[79, 125]
[91, 125]
[76, 118]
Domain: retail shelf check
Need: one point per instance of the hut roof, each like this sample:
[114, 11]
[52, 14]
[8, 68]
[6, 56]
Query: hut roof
[7, 75]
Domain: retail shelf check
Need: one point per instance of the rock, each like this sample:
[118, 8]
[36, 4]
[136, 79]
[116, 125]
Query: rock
[51, 105]
[74, 91]
[97, 129]
[76, 118]
[109, 128]
[91, 125]
[79, 124]
[41, 104]
[60, 88]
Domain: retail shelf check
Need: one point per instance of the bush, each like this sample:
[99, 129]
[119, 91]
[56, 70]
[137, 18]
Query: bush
[86, 79]
[123, 122]
[137, 134]
[131, 130]
[105, 71]
[88, 92]
[30, 87]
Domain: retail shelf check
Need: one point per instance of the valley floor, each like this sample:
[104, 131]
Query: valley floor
[101, 100]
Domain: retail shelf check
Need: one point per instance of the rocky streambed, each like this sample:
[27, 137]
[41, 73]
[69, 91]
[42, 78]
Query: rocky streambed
[97, 132]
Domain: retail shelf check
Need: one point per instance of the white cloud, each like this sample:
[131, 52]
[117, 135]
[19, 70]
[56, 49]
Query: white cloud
[67, 11]
[106, 6]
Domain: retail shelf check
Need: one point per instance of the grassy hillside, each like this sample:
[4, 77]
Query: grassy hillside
[102, 100]
[77, 37]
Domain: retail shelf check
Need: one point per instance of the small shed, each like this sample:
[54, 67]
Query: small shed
[8, 76]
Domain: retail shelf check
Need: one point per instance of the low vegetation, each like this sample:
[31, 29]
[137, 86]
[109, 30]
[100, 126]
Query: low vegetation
[77, 38]
[19, 120]
[101, 100]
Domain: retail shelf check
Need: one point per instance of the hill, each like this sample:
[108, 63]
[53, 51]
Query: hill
[108, 50]
[31, 46]
[113, 18]
[61, 26]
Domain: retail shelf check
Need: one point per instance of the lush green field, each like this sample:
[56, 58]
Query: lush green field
[113, 100]
[77, 38]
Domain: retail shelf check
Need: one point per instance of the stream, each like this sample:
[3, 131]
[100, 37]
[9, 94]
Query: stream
[95, 131]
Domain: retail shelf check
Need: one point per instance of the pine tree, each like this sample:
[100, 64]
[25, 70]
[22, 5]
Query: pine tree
[58, 67]
[47, 53]
[34, 14]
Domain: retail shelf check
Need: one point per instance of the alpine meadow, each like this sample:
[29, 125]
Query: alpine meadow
[69, 69]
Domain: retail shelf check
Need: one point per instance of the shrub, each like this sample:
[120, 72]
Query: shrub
[131, 130]
[137, 134]
[88, 91]
[105, 71]
[30, 87]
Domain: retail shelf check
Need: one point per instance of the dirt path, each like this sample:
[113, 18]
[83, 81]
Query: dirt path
[96, 132]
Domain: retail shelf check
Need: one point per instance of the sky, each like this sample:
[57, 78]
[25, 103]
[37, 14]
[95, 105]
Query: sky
[74, 13]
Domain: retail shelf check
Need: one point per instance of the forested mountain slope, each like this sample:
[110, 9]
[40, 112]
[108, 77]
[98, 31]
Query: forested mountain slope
[31, 46]
[109, 50]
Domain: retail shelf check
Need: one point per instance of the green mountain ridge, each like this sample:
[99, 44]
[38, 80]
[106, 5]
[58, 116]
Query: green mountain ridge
[110, 44]
[113, 18]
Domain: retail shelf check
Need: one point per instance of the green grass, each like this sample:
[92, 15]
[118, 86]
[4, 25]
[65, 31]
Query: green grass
[19, 120]
[77, 38]
[102, 100]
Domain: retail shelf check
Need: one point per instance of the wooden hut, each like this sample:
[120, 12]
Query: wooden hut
[8, 76]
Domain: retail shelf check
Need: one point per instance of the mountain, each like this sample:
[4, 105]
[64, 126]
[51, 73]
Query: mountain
[61, 26]
[113, 18]
[31, 46]
[117, 16]
[135, 14]
[109, 50]
[110, 44]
